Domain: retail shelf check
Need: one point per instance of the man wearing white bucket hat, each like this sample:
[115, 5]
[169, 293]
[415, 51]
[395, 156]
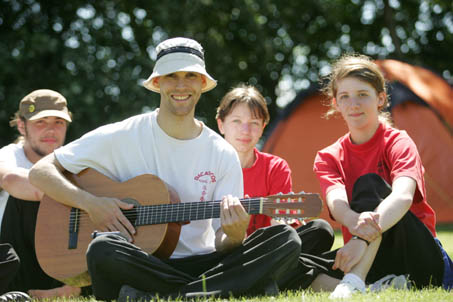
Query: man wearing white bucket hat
[179, 54]
[212, 254]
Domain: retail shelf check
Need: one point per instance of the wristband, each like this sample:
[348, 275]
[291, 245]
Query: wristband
[359, 238]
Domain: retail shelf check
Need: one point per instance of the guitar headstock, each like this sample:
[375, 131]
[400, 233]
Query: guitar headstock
[292, 205]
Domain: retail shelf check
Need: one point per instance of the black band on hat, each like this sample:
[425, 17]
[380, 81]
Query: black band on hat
[180, 49]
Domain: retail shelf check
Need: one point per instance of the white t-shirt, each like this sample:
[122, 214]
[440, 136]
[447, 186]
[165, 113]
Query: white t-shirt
[14, 156]
[201, 169]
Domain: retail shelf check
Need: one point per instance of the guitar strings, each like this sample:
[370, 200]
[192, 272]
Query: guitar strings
[161, 211]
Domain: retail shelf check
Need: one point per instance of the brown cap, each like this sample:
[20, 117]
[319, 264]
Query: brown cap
[42, 103]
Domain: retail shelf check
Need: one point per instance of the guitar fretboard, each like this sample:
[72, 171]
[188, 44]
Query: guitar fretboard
[185, 211]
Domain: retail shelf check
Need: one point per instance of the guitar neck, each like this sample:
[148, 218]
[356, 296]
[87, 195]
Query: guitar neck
[186, 211]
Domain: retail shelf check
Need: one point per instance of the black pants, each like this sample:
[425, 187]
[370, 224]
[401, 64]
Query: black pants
[406, 248]
[246, 270]
[18, 229]
[317, 238]
[9, 265]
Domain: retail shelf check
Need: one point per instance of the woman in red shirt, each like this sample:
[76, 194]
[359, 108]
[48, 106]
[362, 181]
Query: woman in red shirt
[372, 180]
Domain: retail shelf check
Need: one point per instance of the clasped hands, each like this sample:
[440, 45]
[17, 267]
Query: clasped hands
[366, 226]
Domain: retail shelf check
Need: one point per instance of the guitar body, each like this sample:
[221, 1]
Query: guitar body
[64, 233]
[53, 226]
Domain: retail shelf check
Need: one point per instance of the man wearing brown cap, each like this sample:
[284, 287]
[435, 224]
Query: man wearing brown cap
[212, 254]
[41, 120]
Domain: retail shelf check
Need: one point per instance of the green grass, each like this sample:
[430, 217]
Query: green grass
[427, 295]
[445, 234]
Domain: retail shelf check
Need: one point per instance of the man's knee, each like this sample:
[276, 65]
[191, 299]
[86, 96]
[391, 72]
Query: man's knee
[323, 228]
[290, 238]
[317, 236]
[281, 234]
[99, 250]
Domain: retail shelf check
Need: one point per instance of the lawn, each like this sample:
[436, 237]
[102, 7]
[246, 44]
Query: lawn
[445, 234]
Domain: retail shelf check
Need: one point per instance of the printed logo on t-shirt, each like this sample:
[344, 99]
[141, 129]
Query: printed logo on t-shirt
[206, 177]
[380, 167]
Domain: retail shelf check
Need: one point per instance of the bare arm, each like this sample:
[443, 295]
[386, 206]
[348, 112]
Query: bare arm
[234, 220]
[14, 180]
[394, 206]
[47, 175]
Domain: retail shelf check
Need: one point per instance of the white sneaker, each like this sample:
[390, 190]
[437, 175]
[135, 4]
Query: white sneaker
[15, 297]
[347, 287]
[391, 281]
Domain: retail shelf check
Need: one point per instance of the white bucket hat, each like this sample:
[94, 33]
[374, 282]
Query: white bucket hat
[179, 54]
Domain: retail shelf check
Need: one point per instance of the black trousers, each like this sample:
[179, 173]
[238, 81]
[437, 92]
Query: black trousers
[247, 270]
[9, 265]
[317, 238]
[18, 229]
[406, 248]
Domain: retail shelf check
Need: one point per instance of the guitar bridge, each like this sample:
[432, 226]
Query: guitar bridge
[74, 218]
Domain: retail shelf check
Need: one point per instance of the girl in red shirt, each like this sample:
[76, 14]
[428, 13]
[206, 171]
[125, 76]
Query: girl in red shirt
[241, 118]
[372, 180]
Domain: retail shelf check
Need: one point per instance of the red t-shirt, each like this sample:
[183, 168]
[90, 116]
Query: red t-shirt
[390, 153]
[269, 175]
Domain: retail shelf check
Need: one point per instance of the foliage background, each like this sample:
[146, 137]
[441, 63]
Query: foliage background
[97, 53]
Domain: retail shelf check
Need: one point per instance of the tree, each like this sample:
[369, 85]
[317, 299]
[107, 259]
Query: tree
[97, 53]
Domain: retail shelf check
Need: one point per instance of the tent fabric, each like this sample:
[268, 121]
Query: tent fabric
[427, 85]
[422, 104]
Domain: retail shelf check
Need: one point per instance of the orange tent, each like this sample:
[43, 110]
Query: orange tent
[421, 104]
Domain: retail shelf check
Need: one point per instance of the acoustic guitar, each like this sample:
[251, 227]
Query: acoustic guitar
[63, 233]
